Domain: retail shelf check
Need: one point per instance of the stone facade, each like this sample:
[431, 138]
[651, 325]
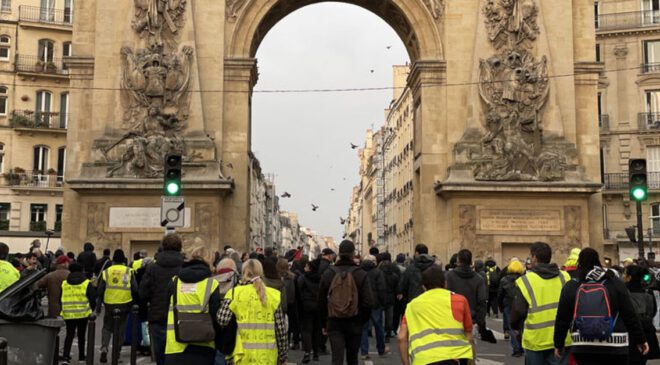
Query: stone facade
[467, 138]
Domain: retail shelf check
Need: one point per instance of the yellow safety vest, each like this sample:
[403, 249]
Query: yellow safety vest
[75, 304]
[255, 342]
[434, 334]
[117, 284]
[8, 275]
[543, 298]
[137, 264]
[190, 298]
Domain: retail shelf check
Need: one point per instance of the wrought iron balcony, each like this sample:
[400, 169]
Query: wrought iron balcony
[34, 179]
[648, 121]
[619, 181]
[38, 226]
[38, 14]
[633, 19]
[604, 122]
[647, 68]
[38, 119]
[34, 64]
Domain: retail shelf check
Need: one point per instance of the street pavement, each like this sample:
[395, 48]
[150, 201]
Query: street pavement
[487, 354]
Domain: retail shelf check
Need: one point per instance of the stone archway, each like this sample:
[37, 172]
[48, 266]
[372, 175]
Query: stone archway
[418, 25]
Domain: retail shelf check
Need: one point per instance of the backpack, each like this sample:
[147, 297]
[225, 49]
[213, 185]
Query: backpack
[343, 295]
[592, 318]
[492, 277]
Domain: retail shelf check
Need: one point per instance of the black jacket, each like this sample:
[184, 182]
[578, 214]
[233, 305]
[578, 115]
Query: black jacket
[466, 282]
[308, 290]
[410, 284]
[191, 272]
[392, 278]
[365, 295]
[76, 278]
[620, 304]
[377, 283]
[507, 290]
[87, 259]
[155, 281]
[519, 306]
[101, 265]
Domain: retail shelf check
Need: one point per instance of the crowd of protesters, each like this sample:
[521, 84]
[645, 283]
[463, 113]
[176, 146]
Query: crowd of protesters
[253, 308]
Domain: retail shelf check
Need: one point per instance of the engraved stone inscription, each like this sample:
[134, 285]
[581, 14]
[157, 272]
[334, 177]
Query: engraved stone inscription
[139, 218]
[499, 220]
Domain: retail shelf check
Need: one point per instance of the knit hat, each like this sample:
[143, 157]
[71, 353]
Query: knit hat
[573, 258]
[62, 260]
[118, 256]
[347, 248]
[75, 267]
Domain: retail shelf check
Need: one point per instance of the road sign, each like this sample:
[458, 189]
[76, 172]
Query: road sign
[172, 211]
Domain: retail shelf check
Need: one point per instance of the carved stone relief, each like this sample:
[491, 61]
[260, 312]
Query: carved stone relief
[436, 7]
[159, 20]
[233, 8]
[205, 220]
[514, 86]
[621, 51]
[96, 213]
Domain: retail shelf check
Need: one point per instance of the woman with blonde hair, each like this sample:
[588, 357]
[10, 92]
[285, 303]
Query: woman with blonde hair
[262, 336]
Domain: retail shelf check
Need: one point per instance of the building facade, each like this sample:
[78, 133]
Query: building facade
[35, 38]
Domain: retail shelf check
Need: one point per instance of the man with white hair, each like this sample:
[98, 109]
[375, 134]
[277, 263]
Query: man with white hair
[379, 288]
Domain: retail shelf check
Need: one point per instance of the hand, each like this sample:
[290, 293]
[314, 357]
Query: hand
[643, 348]
[324, 331]
[558, 352]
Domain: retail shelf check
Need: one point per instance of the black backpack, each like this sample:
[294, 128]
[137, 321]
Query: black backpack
[592, 317]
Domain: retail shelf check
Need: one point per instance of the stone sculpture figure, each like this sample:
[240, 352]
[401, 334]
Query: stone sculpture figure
[435, 7]
[159, 20]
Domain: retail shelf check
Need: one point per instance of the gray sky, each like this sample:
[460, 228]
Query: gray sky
[305, 138]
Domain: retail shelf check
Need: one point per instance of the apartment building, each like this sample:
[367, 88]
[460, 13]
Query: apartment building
[35, 38]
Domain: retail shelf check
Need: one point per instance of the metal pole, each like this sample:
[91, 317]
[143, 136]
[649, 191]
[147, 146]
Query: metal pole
[640, 231]
[91, 339]
[134, 334]
[116, 349]
[650, 233]
[3, 351]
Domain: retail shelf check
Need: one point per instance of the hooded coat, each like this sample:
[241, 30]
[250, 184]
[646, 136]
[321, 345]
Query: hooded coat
[155, 282]
[87, 259]
[519, 306]
[468, 283]
[377, 282]
[410, 284]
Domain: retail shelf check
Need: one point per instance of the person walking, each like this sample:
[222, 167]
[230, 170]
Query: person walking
[535, 305]
[392, 277]
[117, 289]
[78, 300]
[410, 285]
[646, 309]
[289, 280]
[308, 289]
[273, 280]
[465, 281]
[493, 275]
[595, 299]
[379, 289]
[437, 326]
[103, 263]
[154, 292]
[262, 336]
[192, 291]
[505, 294]
[345, 303]
[87, 259]
[227, 277]
[52, 283]
[8, 273]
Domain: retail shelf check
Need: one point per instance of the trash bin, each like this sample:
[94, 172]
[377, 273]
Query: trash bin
[31, 342]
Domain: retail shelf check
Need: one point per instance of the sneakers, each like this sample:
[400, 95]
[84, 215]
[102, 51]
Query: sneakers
[507, 337]
[306, 358]
[517, 354]
[104, 357]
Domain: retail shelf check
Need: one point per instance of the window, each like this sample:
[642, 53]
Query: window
[68, 11]
[5, 209]
[597, 14]
[47, 10]
[38, 217]
[40, 160]
[598, 55]
[61, 159]
[58, 217]
[5, 51]
[653, 165]
[655, 218]
[43, 108]
[46, 48]
[600, 110]
[6, 6]
[64, 110]
[3, 101]
[652, 109]
[602, 165]
[650, 11]
[651, 56]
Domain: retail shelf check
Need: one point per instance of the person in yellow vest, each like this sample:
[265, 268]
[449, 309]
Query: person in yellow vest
[8, 273]
[78, 300]
[262, 337]
[138, 260]
[117, 288]
[534, 307]
[437, 326]
[196, 292]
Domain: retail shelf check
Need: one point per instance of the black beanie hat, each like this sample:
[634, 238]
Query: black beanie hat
[119, 257]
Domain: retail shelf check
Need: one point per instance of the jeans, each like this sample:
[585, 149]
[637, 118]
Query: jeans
[545, 357]
[311, 332]
[219, 358]
[158, 339]
[344, 335]
[108, 325]
[515, 344]
[377, 320]
[73, 325]
[389, 319]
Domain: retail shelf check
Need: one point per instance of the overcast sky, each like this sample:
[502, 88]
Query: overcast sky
[304, 139]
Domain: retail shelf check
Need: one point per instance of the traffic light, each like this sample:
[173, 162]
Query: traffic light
[637, 180]
[172, 175]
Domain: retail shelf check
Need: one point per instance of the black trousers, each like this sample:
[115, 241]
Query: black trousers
[294, 323]
[311, 332]
[345, 336]
[599, 359]
[492, 302]
[73, 326]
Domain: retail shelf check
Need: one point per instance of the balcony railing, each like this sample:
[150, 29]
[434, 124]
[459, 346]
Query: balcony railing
[646, 68]
[34, 64]
[34, 179]
[604, 122]
[619, 181]
[634, 19]
[37, 119]
[648, 121]
[4, 225]
[45, 15]
[38, 226]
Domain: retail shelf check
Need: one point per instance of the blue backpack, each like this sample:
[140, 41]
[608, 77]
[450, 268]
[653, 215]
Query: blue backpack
[592, 317]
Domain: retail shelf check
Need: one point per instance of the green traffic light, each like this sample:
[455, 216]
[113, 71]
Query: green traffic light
[173, 188]
[639, 193]
[647, 278]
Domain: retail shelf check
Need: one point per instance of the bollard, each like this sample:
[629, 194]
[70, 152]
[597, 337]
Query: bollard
[134, 333]
[56, 355]
[91, 339]
[116, 346]
[3, 351]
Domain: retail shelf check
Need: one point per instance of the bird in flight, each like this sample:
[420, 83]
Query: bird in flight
[286, 195]
[354, 146]
[332, 189]
[388, 47]
[342, 220]
[315, 208]
[372, 71]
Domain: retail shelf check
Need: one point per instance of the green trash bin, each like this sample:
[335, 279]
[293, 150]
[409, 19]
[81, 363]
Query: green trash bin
[31, 343]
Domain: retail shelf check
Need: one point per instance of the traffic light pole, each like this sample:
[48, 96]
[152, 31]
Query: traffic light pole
[640, 231]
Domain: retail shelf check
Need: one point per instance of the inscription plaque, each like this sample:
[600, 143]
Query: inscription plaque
[520, 221]
[135, 217]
